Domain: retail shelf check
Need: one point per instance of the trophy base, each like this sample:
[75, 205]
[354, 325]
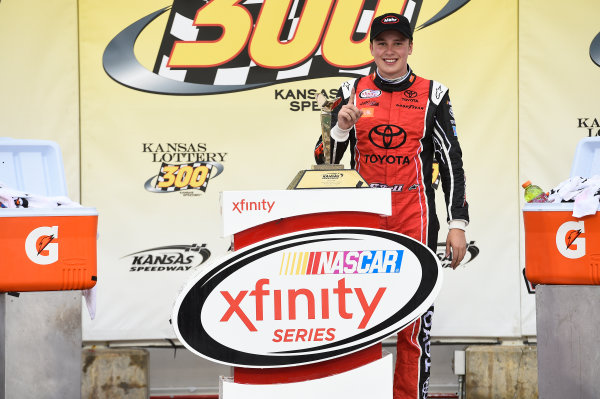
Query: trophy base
[327, 176]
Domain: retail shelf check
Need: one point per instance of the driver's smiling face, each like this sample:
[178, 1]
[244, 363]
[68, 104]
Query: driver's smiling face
[390, 51]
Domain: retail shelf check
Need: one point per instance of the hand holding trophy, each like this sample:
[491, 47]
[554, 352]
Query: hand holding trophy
[328, 174]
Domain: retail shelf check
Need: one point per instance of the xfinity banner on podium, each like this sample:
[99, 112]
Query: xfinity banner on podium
[306, 297]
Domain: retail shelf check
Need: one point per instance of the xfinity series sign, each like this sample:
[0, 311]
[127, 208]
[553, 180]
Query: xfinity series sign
[306, 297]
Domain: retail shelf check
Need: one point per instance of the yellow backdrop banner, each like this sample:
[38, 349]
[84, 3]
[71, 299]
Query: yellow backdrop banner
[39, 93]
[167, 95]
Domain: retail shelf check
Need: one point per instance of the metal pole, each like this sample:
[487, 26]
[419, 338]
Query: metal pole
[461, 386]
[460, 369]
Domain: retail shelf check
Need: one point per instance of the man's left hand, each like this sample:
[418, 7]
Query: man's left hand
[456, 242]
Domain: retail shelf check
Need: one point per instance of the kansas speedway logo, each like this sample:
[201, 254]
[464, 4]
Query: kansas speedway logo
[472, 252]
[223, 46]
[172, 258]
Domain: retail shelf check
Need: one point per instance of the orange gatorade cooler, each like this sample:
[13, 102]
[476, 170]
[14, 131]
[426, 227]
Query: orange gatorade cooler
[43, 249]
[560, 248]
[47, 249]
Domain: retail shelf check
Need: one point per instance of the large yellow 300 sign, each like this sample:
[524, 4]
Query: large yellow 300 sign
[265, 46]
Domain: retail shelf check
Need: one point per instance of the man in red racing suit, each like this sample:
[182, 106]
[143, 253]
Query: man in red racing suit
[395, 124]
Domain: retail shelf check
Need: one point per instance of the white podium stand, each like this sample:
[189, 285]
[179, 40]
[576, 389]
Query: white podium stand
[312, 288]
[373, 380]
[251, 216]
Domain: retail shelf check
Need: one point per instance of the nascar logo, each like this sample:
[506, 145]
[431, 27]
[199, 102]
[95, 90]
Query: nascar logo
[341, 262]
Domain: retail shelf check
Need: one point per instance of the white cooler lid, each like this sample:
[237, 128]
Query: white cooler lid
[33, 166]
[586, 162]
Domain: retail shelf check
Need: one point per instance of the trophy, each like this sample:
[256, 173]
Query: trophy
[328, 174]
[326, 107]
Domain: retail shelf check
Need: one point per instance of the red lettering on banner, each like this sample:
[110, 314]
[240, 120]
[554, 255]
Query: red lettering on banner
[234, 306]
[341, 290]
[289, 336]
[368, 309]
[293, 294]
[277, 305]
[319, 334]
[330, 334]
[303, 335]
[324, 303]
[260, 293]
[248, 206]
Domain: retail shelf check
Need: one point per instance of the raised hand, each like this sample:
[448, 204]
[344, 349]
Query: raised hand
[349, 114]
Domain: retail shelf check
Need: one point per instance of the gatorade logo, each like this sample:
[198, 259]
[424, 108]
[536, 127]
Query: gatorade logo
[570, 240]
[41, 246]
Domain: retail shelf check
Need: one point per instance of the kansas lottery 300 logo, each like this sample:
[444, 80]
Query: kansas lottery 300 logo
[222, 46]
[183, 166]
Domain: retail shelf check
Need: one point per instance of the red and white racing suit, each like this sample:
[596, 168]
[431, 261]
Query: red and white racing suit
[404, 126]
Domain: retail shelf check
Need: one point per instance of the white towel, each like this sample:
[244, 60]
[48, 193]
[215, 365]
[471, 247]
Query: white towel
[12, 198]
[584, 192]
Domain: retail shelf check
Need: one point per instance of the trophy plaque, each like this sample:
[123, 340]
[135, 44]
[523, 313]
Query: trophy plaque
[328, 174]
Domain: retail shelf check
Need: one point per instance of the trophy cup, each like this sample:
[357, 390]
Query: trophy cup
[328, 174]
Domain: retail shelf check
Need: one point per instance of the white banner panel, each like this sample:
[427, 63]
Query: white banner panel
[245, 209]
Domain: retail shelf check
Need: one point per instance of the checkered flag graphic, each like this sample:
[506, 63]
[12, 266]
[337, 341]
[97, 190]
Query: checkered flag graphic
[242, 70]
[182, 168]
